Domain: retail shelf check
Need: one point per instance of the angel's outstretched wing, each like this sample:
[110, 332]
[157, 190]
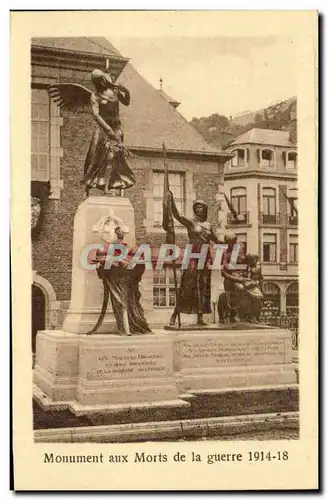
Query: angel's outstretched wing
[71, 97]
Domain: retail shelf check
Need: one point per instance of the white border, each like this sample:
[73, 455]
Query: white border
[60, 4]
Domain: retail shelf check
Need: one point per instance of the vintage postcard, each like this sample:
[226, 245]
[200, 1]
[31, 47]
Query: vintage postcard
[164, 248]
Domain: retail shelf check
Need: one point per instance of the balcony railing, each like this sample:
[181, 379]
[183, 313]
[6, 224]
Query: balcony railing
[293, 220]
[270, 218]
[289, 321]
[242, 218]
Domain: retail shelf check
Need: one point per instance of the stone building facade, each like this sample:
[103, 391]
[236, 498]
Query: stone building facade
[59, 142]
[261, 182]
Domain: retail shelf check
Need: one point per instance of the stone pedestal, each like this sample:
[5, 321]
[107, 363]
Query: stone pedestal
[103, 372]
[87, 289]
[224, 360]
[108, 373]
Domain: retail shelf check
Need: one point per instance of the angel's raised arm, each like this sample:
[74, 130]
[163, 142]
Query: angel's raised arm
[123, 95]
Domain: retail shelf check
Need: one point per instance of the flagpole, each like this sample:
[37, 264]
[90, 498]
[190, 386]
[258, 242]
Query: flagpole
[166, 188]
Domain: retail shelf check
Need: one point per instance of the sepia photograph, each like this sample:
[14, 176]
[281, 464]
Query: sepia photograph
[164, 244]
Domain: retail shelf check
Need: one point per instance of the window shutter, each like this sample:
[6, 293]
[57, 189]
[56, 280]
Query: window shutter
[269, 238]
[271, 289]
[238, 191]
[272, 253]
[284, 156]
[247, 155]
[258, 152]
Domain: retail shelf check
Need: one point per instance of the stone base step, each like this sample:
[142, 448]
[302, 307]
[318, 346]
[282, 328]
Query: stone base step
[195, 405]
[209, 428]
[107, 410]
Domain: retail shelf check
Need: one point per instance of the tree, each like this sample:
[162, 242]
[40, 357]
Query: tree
[276, 117]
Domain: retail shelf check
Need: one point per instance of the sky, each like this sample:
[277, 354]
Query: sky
[218, 74]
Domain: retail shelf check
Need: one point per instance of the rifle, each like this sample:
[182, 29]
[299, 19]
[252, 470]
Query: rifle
[293, 209]
[231, 208]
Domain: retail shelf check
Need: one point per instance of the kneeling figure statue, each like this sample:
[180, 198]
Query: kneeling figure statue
[242, 299]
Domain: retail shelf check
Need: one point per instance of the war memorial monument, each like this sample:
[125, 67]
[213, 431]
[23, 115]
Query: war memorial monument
[106, 363]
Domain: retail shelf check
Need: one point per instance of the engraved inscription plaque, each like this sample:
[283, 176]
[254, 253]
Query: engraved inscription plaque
[129, 363]
[220, 352]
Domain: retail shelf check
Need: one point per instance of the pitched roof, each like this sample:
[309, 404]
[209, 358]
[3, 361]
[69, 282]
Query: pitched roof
[150, 119]
[91, 45]
[264, 136]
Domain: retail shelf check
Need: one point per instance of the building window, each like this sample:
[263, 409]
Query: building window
[292, 299]
[267, 158]
[176, 181]
[271, 301]
[293, 249]
[269, 215]
[239, 158]
[40, 146]
[292, 160]
[269, 247]
[45, 140]
[239, 202]
[164, 288]
[239, 199]
[242, 240]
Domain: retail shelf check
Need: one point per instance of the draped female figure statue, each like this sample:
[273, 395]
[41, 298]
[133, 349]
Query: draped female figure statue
[120, 282]
[106, 165]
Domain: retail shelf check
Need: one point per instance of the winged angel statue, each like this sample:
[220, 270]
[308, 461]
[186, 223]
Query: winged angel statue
[106, 166]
